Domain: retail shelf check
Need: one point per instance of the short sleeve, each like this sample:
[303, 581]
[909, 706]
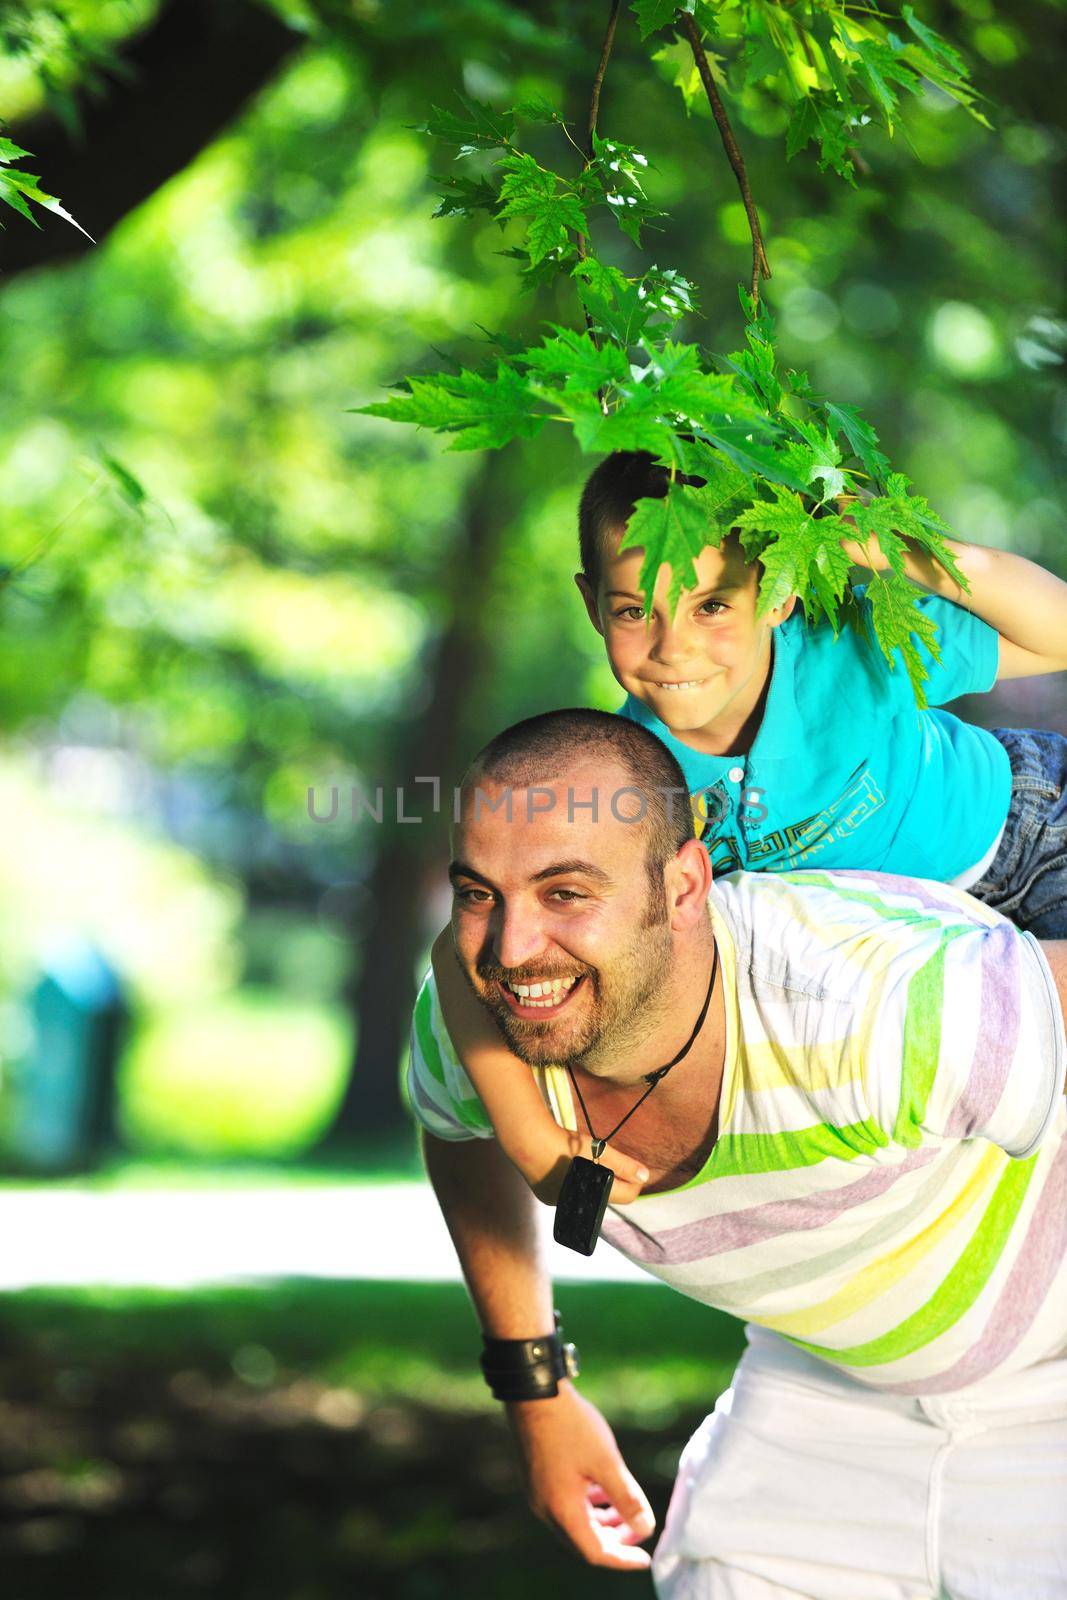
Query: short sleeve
[969, 1042]
[969, 649]
[442, 1097]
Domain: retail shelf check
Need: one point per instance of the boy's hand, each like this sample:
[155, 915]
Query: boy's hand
[546, 1183]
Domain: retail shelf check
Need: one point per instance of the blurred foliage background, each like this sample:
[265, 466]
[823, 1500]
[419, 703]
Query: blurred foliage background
[223, 589]
[307, 598]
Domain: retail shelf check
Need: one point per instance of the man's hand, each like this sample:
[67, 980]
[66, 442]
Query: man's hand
[578, 1483]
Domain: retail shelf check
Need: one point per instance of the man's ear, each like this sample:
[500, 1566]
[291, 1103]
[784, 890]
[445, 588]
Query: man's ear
[589, 596]
[688, 879]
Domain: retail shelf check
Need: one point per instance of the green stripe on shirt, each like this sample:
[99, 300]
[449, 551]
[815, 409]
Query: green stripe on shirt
[743, 1154]
[958, 1290]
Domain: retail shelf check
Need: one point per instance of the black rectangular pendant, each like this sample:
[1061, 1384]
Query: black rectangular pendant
[581, 1205]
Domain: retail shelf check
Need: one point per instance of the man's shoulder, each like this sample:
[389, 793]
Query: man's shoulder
[818, 930]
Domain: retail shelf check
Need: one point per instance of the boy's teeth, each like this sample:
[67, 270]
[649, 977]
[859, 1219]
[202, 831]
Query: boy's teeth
[690, 683]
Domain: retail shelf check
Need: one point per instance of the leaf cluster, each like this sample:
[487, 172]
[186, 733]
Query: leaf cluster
[836, 68]
[751, 449]
[18, 187]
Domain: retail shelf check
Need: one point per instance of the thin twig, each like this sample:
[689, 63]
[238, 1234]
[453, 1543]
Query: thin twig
[594, 103]
[594, 109]
[760, 264]
[594, 106]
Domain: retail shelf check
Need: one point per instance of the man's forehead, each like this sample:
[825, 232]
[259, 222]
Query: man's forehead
[588, 812]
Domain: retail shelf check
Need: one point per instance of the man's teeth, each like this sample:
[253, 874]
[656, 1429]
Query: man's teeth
[548, 993]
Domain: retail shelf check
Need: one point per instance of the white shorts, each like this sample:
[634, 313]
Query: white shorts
[805, 1483]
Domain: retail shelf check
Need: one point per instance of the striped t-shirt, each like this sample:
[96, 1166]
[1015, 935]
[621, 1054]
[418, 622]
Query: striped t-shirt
[889, 1185]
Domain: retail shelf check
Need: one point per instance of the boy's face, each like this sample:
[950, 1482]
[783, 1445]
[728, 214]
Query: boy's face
[705, 666]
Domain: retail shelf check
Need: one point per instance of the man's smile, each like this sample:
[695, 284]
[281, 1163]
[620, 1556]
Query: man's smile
[546, 998]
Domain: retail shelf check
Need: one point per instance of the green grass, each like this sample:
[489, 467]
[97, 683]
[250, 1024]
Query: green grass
[647, 1352]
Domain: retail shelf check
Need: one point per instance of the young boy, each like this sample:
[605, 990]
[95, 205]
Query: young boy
[804, 751]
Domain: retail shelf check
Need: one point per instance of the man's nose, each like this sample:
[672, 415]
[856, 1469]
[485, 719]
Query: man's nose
[517, 937]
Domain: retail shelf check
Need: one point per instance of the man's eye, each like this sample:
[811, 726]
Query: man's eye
[472, 896]
[566, 895]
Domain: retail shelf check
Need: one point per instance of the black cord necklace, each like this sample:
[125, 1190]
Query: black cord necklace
[583, 1198]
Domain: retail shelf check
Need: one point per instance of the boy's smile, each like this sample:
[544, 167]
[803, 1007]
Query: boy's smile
[704, 671]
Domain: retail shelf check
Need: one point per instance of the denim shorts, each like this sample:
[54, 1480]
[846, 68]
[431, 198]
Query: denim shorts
[1027, 879]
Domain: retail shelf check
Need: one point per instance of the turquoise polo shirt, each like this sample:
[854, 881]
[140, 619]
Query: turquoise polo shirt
[845, 770]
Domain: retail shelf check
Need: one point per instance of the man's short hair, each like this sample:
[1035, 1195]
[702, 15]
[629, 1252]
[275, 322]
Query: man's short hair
[611, 492]
[542, 748]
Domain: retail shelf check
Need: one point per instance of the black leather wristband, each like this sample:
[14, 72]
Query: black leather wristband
[528, 1369]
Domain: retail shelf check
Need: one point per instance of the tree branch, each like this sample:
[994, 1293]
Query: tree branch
[760, 264]
[190, 73]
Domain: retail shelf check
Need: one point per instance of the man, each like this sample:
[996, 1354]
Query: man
[862, 1152]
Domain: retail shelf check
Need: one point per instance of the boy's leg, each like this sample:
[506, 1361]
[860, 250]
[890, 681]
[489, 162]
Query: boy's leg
[1027, 880]
[801, 1484]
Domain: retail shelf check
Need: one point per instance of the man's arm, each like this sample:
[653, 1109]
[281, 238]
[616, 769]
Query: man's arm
[576, 1479]
[1055, 952]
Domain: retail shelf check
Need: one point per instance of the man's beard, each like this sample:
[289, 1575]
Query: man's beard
[625, 1003]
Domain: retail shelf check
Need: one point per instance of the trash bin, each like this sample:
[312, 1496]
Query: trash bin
[63, 1092]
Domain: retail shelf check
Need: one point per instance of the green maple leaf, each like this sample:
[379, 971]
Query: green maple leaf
[899, 513]
[937, 46]
[761, 58]
[861, 436]
[655, 14]
[529, 191]
[615, 176]
[818, 457]
[483, 412]
[536, 108]
[672, 531]
[481, 128]
[821, 118]
[463, 197]
[880, 67]
[576, 358]
[635, 424]
[18, 189]
[667, 294]
[800, 554]
[616, 304]
[677, 62]
[898, 621]
[685, 389]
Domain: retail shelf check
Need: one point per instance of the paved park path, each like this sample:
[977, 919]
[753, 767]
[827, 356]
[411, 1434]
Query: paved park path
[173, 1238]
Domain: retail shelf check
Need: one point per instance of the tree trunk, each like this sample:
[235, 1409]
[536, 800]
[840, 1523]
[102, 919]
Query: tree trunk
[383, 993]
[185, 78]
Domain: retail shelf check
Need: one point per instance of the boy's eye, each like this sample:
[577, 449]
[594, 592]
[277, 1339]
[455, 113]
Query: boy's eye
[629, 614]
[713, 608]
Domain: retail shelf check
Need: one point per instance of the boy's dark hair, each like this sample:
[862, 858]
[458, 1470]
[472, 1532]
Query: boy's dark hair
[611, 492]
[540, 748]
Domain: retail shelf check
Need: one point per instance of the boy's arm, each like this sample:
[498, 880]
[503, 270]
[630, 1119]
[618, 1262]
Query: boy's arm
[523, 1125]
[1025, 604]
[571, 1460]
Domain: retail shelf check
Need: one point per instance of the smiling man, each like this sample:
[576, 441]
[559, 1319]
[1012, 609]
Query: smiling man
[859, 1148]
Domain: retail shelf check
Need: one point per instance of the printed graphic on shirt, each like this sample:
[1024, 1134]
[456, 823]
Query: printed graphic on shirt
[796, 843]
